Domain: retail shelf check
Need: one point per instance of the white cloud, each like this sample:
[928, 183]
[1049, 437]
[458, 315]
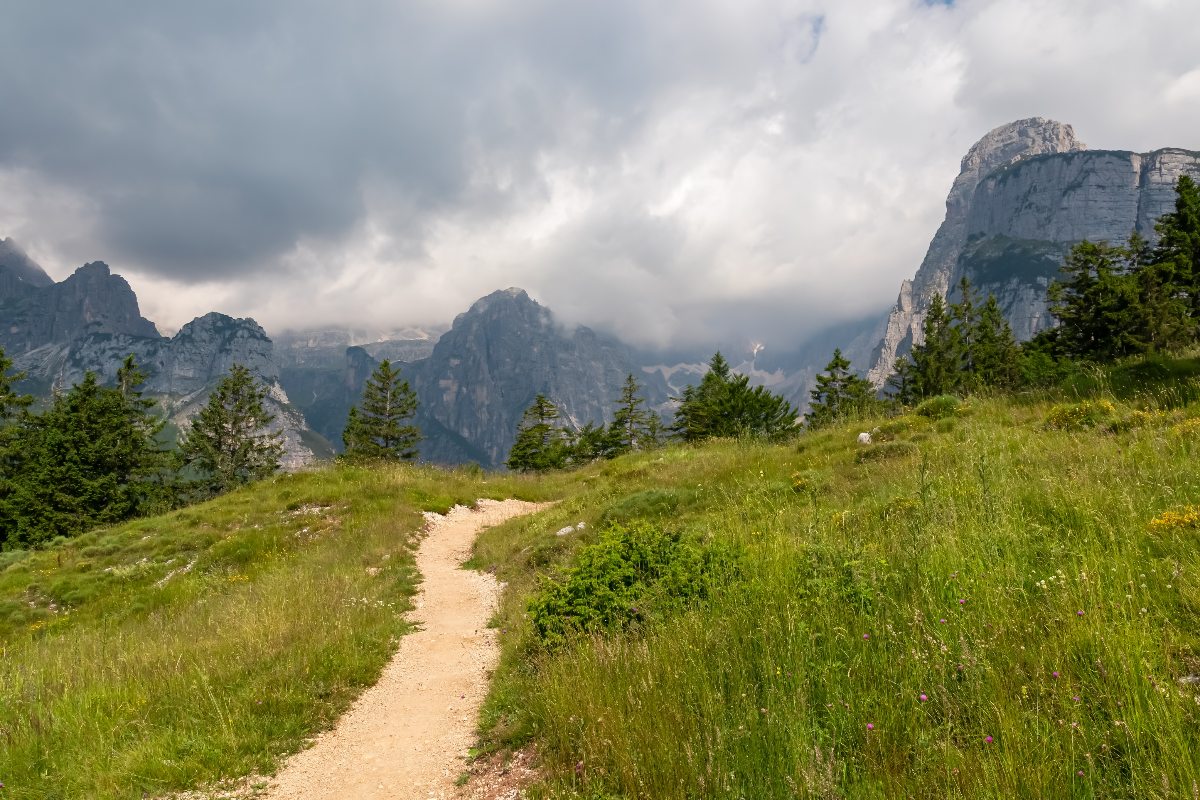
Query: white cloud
[678, 172]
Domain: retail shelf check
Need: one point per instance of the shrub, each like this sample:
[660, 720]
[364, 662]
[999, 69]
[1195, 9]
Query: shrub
[633, 572]
[886, 451]
[1188, 519]
[1081, 416]
[939, 407]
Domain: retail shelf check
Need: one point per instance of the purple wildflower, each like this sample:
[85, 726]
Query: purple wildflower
[866, 636]
[1054, 674]
[870, 726]
[924, 698]
[1079, 613]
[987, 739]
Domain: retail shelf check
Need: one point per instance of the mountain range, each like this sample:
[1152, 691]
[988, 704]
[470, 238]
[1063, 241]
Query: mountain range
[1026, 193]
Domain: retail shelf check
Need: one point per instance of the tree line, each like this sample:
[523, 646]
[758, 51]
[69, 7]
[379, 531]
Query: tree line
[1112, 301]
[97, 455]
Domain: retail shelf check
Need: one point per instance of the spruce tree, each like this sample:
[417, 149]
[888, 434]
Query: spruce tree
[1178, 253]
[1096, 303]
[228, 442]
[964, 316]
[539, 445]
[839, 393]
[378, 429]
[724, 404]
[996, 359]
[936, 360]
[699, 413]
[89, 459]
[630, 426]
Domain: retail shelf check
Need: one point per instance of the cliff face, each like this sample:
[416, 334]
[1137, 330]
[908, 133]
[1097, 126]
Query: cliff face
[57, 332]
[486, 370]
[36, 313]
[1028, 192]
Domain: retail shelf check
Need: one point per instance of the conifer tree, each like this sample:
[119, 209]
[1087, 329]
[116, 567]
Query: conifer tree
[996, 360]
[724, 404]
[87, 460]
[1096, 303]
[539, 445]
[1177, 256]
[378, 429]
[964, 315]
[10, 402]
[839, 393]
[229, 442]
[631, 421]
[699, 413]
[936, 361]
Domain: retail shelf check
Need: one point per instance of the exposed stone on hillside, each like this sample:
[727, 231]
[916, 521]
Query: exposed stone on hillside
[92, 300]
[1027, 192]
[486, 370]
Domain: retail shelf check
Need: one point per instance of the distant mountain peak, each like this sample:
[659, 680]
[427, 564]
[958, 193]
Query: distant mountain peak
[15, 261]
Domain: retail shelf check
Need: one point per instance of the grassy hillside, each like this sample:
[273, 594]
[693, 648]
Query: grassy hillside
[1000, 599]
[1002, 602]
[178, 650]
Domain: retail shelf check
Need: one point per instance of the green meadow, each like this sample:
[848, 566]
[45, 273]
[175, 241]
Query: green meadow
[994, 598]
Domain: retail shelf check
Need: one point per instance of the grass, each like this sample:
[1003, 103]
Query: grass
[1002, 580]
[1000, 602]
[179, 650]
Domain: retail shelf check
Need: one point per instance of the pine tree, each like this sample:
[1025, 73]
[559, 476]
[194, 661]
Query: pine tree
[590, 443]
[228, 441]
[10, 402]
[378, 429]
[996, 359]
[839, 393]
[630, 426]
[1178, 253]
[1096, 303]
[936, 361]
[89, 459]
[539, 445]
[724, 404]
[902, 382]
[964, 316]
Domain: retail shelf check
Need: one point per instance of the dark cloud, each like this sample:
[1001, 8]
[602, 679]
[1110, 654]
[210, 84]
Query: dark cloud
[679, 172]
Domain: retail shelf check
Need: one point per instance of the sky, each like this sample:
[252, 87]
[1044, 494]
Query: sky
[674, 172]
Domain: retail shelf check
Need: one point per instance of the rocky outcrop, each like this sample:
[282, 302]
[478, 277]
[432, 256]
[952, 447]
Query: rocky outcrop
[92, 300]
[486, 370]
[1028, 192]
[58, 332]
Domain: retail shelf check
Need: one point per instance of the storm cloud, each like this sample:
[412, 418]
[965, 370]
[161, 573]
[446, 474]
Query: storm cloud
[676, 172]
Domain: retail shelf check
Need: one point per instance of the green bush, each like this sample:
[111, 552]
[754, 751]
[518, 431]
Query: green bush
[633, 572]
[886, 451]
[939, 407]
[1081, 416]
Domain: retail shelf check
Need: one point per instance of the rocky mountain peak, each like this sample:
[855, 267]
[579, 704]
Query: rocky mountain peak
[1027, 192]
[20, 266]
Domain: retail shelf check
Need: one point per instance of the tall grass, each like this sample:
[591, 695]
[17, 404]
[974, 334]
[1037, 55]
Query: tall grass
[987, 614]
[179, 650]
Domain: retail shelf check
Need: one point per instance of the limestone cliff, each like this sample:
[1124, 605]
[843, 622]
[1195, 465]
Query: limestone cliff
[1027, 192]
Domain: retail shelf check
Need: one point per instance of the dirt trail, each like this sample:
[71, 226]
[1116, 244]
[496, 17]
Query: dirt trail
[407, 736]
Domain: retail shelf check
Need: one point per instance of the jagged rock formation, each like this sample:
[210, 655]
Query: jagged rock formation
[1028, 192]
[57, 332]
[34, 312]
[486, 370]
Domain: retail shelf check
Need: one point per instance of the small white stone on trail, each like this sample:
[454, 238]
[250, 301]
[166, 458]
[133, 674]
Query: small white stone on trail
[864, 438]
[407, 730]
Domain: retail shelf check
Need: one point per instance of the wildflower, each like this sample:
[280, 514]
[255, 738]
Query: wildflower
[1054, 674]
[962, 602]
[924, 698]
[866, 636]
[870, 726]
[987, 739]
[942, 620]
[1079, 613]
[1075, 698]
[1079, 773]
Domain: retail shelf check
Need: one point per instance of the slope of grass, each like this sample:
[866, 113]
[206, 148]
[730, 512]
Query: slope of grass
[987, 610]
[204, 644]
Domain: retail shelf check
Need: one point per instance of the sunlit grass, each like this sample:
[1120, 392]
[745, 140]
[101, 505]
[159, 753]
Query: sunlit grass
[992, 615]
[205, 644]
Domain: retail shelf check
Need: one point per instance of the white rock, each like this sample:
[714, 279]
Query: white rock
[864, 438]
